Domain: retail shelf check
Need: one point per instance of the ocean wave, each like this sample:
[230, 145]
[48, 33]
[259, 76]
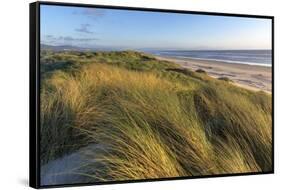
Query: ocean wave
[224, 60]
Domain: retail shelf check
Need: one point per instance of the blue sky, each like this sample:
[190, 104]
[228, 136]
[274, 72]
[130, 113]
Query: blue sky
[123, 29]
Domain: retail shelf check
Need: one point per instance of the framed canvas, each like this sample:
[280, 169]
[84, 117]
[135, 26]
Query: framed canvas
[122, 94]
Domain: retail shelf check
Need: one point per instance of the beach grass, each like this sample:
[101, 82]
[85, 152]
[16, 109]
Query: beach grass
[153, 118]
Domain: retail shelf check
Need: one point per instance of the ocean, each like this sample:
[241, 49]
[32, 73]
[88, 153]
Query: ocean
[251, 57]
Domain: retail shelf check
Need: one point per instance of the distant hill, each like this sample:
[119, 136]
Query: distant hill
[76, 48]
[63, 48]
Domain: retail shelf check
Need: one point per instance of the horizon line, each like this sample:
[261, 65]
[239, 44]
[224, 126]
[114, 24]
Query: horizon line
[155, 49]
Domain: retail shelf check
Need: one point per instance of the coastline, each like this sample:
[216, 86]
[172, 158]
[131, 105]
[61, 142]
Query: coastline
[252, 77]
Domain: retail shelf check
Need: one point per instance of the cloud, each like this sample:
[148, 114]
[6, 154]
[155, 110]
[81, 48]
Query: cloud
[64, 40]
[49, 39]
[49, 36]
[84, 28]
[72, 39]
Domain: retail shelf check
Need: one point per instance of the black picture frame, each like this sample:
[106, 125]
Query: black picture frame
[34, 91]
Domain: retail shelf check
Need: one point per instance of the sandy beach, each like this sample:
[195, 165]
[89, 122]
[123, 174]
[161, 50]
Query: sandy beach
[247, 76]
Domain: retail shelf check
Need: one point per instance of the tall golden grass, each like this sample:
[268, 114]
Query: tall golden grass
[155, 126]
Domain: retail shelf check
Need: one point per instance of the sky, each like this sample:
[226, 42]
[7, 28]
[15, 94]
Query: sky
[124, 29]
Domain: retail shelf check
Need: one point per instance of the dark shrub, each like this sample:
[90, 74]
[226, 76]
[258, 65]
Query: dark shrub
[225, 79]
[201, 71]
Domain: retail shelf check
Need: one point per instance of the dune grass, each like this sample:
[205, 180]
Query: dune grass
[153, 118]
